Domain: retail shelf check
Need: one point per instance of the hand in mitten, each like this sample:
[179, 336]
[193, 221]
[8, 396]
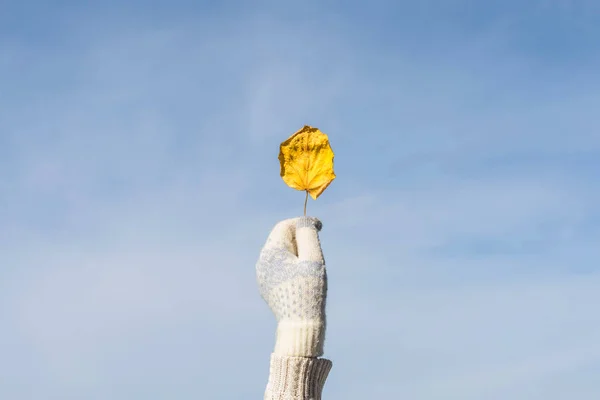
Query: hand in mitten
[292, 280]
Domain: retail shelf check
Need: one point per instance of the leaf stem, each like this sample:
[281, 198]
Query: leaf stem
[305, 201]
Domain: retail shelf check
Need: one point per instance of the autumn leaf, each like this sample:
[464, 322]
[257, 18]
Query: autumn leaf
[306, 160]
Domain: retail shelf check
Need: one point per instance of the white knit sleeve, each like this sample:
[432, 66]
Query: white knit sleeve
[297, 378]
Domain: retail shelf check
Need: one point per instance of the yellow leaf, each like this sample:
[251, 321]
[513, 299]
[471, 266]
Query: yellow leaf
[306, 161]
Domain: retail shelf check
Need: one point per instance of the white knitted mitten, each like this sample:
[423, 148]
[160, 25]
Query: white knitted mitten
[293, 281]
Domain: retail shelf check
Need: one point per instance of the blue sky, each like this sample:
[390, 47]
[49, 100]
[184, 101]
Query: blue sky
[139, 179]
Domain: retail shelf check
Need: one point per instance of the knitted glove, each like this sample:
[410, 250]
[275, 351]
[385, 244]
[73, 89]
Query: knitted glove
[293, 281]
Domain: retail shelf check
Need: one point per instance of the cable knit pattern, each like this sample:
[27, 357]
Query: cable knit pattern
[296, 378]
[292, 280]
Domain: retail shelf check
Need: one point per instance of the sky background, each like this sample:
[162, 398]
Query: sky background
[139, 179]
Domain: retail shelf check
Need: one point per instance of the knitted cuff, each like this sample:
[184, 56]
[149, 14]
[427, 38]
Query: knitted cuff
[300, 338]
[297, 378]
